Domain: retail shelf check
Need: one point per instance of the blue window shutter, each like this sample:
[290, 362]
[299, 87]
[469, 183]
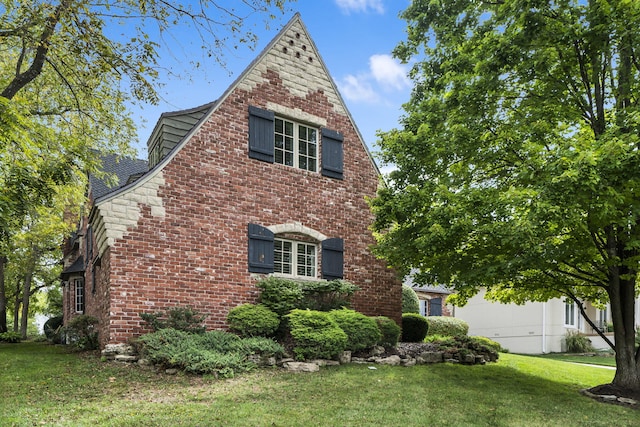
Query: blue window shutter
[333, 259]
[435, 307]
[260, 249]
[332, 153]
[261, 134]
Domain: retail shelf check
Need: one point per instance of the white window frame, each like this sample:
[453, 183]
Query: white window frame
[296, 140]
[570, 311]
[78, 285]
[294, 259]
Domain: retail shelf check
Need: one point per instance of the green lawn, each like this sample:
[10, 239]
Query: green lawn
[45, 385]
[604, 360]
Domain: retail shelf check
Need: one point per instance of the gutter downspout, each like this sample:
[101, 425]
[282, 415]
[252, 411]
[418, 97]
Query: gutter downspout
[544, 328]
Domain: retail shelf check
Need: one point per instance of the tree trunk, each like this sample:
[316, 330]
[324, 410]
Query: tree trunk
[3, 296]
[16, 309]
[622, 300]
[26, 294]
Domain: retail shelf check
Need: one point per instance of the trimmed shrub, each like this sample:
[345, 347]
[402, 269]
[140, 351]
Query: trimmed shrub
[414, 327]
[315, 335]
[250, 320]
[459, 346]
[327, 295]
[410, 301]
[52, 328]
[279, 295]
[494, 345]
[81, 332]
[577, 343]
[362, 331]
[447, 326]
[180, 318]
[216, 352]
[389, 331]
[10, 337]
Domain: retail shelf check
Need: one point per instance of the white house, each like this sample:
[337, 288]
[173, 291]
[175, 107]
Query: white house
[535, 327]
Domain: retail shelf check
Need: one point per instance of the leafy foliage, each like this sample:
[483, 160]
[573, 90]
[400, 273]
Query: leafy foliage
[577, 343]
[389, 331]
[10, 337]
[251, 320]
[52, 329]
[410, 301]
[81, 332]
[184, 319]
[516, 163]
[213, 352]
[316, 335]
[362, 331]
[414, 327]
[447, 326]
[283, 295]
[327, 295]
[279, 295]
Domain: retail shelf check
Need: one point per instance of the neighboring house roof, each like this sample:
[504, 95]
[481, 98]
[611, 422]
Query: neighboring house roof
[118, 170]
[76, 267]
[436, 289]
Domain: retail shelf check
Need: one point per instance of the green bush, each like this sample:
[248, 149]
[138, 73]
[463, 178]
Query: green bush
[216, 352]
[494, 345]
[52, 328]
[389, 332]
[10, 337]
[447, 326]
[414, 327]
[460, 345]
[315, 335]
[410, 301]
[180, 318]
[81, 332]
[362, 331]
[250, 320]
[279, 295]
[577, 343]
[326, 295]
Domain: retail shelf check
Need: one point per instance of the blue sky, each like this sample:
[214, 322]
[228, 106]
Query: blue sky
[354, 37]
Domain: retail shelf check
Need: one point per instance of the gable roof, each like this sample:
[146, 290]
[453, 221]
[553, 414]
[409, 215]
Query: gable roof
[118, 170]
[209, 109]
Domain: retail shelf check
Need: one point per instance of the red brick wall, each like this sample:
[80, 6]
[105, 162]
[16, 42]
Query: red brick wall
[197, 254]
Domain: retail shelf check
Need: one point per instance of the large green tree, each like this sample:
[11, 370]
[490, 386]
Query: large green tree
[68, 68]
[518, 161]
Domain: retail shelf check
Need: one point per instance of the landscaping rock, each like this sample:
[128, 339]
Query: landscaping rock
[123, 358]
[171, 371]
[430, 357]
[344, 357]
[301, 367]
[391, 361]
[409, 361]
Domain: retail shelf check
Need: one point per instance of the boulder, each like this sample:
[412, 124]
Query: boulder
[300, 367]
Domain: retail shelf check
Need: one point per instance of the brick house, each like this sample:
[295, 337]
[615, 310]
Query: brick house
[269, 179]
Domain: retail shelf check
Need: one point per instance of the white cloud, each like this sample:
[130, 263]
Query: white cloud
[357, 89]
[348, 6]
[388, 72]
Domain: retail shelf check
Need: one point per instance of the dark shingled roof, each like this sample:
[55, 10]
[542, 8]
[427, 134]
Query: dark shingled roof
[76, 267]
[121, 168]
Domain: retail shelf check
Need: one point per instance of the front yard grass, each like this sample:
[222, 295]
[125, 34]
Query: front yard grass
[46, 385]
[591, 359]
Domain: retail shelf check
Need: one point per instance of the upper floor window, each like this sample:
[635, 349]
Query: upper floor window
[277, 140]
[294, 258]
[296, 145]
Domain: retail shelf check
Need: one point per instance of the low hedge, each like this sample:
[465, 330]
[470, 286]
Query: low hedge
[389, 332]
[447, 326]
[215, 352]
[414, 327]
[316, 335]
[251, 320]
[362, 331]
